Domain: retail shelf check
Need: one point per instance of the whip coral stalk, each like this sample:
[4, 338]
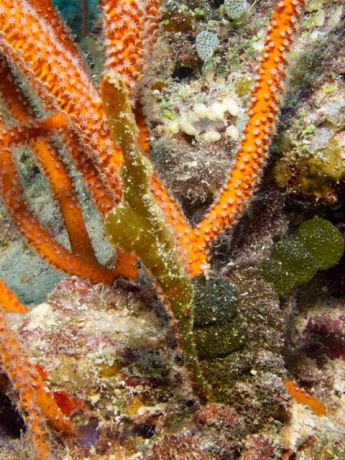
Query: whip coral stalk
[35, 49]
[35, 404]
[130, 27]
[252, 153]
[253, 149]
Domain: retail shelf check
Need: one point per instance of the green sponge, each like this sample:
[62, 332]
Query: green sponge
[317, 245]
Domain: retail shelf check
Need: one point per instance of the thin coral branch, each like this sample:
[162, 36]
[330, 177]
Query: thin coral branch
[63, 190]
[51, 163]
[130, 27]
[100, 192]
[61, 84]
[24, 134]
[13, 197]
[253, 149]
[9, 301]
[35, 404]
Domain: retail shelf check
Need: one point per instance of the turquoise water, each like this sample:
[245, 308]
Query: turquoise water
[72, 12]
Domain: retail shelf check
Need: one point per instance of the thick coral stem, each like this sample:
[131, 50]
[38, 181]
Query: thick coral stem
[46, 10]
[100, 192]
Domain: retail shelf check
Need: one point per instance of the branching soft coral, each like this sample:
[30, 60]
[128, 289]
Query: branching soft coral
[35, 43]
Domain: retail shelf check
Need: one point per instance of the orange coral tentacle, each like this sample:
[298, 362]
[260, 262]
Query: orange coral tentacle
[17, 367]
[9, 301]
[18, 108]
[130, 27]
[60, 83]
[122, 20]
[13, 197]
[35, 128]
[10, 91]
[54, 168]
[253, 149]
[300, 396]
[101, 194]
[47, 10]
[126, 265]
[34, 402]
[62, 188]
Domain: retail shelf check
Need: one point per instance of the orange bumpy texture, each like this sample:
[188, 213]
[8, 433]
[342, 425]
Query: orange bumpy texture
[130, 27]
[35, 404]
[251, 155]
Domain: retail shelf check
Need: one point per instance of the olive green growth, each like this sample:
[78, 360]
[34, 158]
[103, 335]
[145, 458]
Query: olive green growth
[215, 306]
[215, 300]
[317, 245]
[137, 224]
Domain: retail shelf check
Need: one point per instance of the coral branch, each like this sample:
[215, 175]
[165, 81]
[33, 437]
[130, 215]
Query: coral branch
[47, 11]
[253, 149]
[61, 84]
[9, 301]
[34, 402]
[62, 188]
[100, 192]
[50, 161]
[130, 27]
[35, 235]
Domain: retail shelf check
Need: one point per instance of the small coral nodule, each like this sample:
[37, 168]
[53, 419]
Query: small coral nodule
[235, 9]
[206, 43]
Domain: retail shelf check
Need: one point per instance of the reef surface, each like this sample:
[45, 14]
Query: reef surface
[111, 354]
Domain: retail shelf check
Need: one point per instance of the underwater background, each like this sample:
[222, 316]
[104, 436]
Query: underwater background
[269, 314]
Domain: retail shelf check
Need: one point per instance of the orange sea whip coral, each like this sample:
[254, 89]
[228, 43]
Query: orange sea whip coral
[251, 155]
[34, 47]
[35, 404]
[130, 30]
[130, 27]
[253, 149]
[13, 196]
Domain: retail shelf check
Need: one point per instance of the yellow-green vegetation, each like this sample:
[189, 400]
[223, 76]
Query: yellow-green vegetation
[311, 173]
[137, 225]
[317, 245]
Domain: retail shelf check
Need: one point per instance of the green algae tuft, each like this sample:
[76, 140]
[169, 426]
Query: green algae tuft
[317, 245]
